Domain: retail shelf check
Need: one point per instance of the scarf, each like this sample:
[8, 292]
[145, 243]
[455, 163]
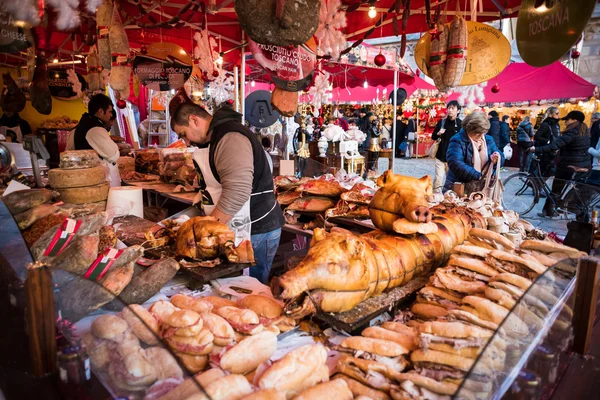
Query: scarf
[480, 154]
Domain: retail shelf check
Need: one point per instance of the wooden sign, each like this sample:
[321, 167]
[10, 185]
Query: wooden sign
[488, 53]
[165, 66]
[60, 87]
[13, 38]
[546, 30]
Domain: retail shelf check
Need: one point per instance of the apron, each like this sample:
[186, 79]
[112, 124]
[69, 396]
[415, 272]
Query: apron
[210, 193]
[113, 176]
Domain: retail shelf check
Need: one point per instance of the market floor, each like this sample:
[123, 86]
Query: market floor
[426, 166]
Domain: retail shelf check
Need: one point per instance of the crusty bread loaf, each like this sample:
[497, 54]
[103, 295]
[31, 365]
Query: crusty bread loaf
[472, 264]
[249, 353]
[376, 346]
[438, 357]
[406, 340]
[219, 327]
[428, 311]
[198, 305]
[454, 329]
[142, 323]
[108, 326]
[193, 364]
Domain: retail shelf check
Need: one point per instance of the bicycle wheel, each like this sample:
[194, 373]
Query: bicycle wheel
[581, 201]
[520, 193]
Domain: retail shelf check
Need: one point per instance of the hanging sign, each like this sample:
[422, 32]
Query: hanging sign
[165, 66]
[60, 86]
[289, 66]
[365, 55]
[488, 53]
[13, 38]
[546, 30]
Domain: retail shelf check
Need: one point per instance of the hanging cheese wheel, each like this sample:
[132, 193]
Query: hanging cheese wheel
[74, 178]
[285, 102]
[457, 52]
[103, 20]
[437, 55]
[86, 194]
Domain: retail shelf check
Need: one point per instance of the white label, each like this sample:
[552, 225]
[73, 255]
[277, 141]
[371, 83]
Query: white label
[63, 375]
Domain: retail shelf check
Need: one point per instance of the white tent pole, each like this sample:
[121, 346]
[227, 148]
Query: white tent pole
[243, 81]
[395, 100]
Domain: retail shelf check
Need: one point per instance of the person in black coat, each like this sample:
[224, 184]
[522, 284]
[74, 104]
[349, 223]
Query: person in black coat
[452, 125]
[494, 131]
[573, 145]
[595, 129]
[504, 132]
[524, 140]
[546, 133]
[470, 150]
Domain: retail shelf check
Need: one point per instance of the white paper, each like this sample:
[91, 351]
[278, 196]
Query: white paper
[15, 186]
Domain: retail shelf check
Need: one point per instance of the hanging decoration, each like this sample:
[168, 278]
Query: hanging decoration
[67, 15]
[23, 11]
[471, 95]
[379, 59]
[74, 81]
[319, 89]
[329, 33]
[495, 88]
[221, 89]
[205, 53]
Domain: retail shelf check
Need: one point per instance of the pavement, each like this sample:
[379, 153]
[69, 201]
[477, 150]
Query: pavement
[426, 166]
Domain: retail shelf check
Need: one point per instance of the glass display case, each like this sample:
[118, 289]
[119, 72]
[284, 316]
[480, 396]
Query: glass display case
[525, 356]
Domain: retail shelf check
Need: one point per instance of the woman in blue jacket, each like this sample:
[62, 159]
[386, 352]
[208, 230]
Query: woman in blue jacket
[470, 150]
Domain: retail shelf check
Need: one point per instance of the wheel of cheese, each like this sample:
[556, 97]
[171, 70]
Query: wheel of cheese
[77, 159]
[74, 178]
[86, 194]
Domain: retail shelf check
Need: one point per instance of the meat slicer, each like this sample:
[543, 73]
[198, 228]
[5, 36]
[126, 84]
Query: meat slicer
[351, 159]
[37, 150]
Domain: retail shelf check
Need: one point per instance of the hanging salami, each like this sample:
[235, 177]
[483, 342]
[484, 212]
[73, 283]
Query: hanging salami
[119, 51]
[103, 19]
[93, 76]
[456, 53]
[437, 55]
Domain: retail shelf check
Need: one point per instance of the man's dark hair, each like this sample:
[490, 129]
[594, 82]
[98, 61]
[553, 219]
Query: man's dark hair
[505, 117]
[113, 115]
[453, 103]
[493, 114]
[99, 102]
[184, 110]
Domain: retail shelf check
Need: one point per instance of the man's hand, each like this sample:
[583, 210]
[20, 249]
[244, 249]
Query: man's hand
[221, 216]
[442, 131]
[495, 157]
[532, 149]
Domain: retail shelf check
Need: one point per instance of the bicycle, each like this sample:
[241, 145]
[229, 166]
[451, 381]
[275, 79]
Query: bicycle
[523, 190]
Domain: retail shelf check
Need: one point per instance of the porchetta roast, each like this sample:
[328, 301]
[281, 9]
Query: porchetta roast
[205, 238]
[341, 269]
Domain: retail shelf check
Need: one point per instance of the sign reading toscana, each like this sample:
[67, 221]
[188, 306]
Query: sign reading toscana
[546, 30]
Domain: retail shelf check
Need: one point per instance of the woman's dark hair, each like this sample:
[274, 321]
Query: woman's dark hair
[99, 102]
[453, 103]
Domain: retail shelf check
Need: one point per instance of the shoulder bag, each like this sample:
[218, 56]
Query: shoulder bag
[436, 145]
[489, 185]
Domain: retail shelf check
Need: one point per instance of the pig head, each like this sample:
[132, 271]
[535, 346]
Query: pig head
[400, 196]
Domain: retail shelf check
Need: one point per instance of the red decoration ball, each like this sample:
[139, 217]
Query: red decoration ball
[163, 74]
[418, 72]
[495, 88]
[230, 102]
[575, 54]
[380, 60]
[215, 73]
[121, 104]
[204, 77]
[144, 50]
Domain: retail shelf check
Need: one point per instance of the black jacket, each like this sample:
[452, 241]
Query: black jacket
[494, 131]
[524, 132]
[14, 121]
[460, 159]
[547, 132]
[451, 127]
[86, 123]
[226, 120]
[595, 134]
[573, 148]
[504, 135]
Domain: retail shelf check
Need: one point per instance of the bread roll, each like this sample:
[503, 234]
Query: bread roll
[266, 394]
[218, 302]
[250, 353]
[196, 345]
[358, 389]
[161, 309]
[164, 363]
[337, 389]
[263, 306]
[108, 327]
[198, 305]
[193, 364]
[230, 387]
[376, 346]
[405, 340]
[142, 323]
[219, 327]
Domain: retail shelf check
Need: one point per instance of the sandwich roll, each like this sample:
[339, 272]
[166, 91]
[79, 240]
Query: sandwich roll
[142, 323]
[198, 305]
[472, 319]
[358, 389]
[450, 300]
[446, 279]
[229, 387]
[472, 264]
[291, 371]
[495, 313]
[164, 363]
[406, 340]
[428, 311]
[219, 327]
[376, 346]
[440, 387]
[133, 373]
[500, 297]
[463, 364]
[191, 386]
[513, 279]
[98, 350]
[399, 328]
[247, 355]
[455, 329]
[108, 327]
[337, 389]
[161, 309]
[263, 306]
[474, 242]
[218, 302]
[193, 364]
[548, 247]
[185, 323]
[266, 394]
[242, 320]
[371, 373]
[496, 238]
[319, 376]
[468, 352]
[285, 324]
[198, 345]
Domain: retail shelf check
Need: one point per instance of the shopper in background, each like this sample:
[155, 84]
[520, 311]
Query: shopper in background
[574, 144]
[236, 183]
[401, 144]
[494, 131]
[595, 129]
[524, 140]
[470, 150]
[14, 127]
[504, 132]
[444, 131]
[549, 130]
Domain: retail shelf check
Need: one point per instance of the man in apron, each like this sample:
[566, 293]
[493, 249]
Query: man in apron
[236, 183]
[91, 134]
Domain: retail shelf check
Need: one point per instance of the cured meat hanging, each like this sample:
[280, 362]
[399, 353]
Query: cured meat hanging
[456, 58]
[41, 99]
[437, 55]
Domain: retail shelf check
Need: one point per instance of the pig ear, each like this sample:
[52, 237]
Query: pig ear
[426, 183]
[385, 178]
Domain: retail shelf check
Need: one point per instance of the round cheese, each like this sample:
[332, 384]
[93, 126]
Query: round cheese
[77, 159]
[86, 194]
[74, 178]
